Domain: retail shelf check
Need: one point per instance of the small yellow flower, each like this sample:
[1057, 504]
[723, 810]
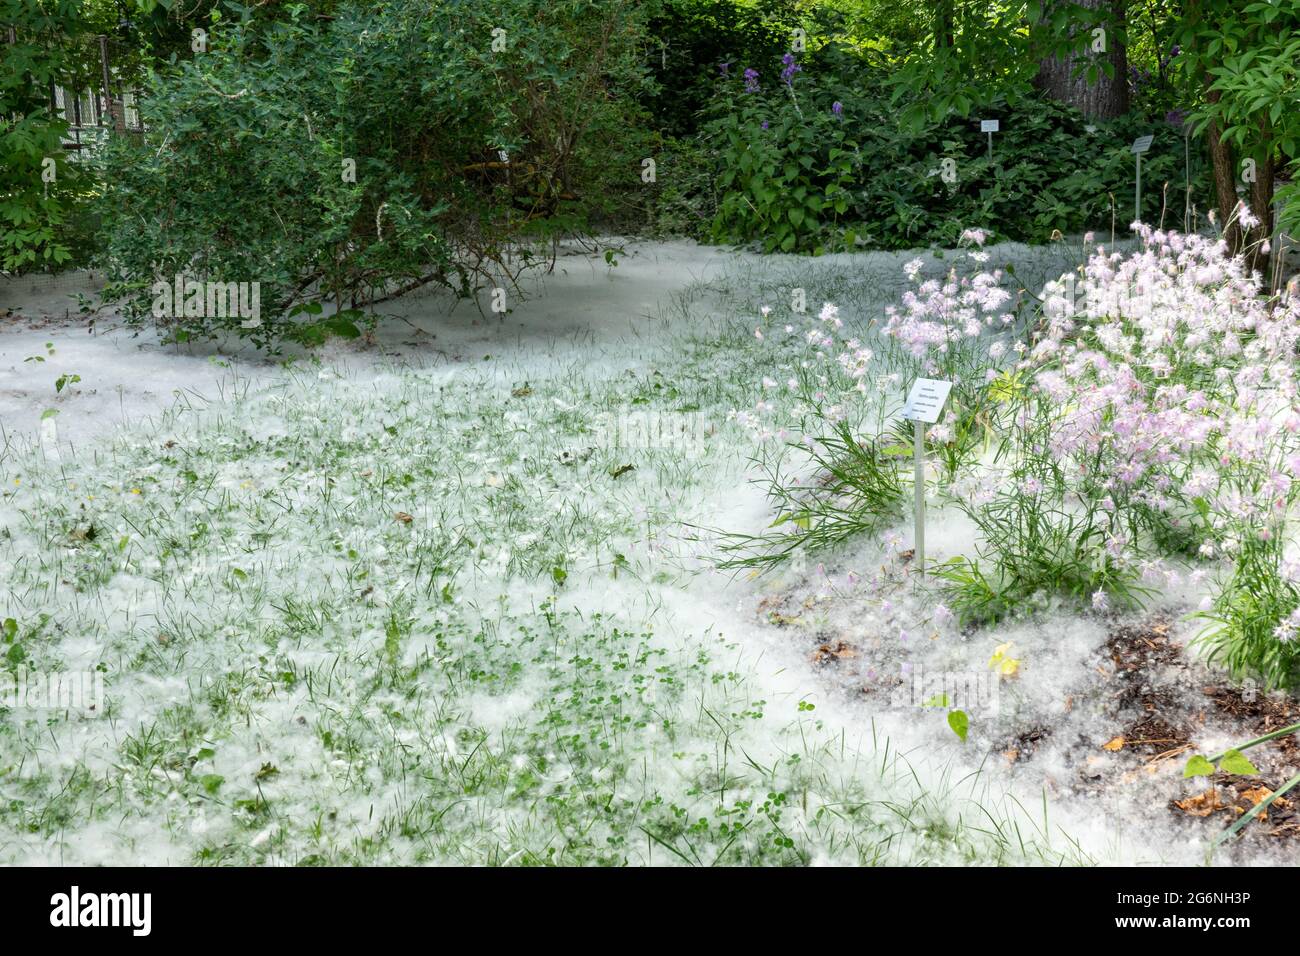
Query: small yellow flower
[1003, 662]
[135, 491]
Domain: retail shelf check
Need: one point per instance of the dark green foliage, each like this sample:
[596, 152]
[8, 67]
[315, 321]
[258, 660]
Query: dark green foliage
[241, 178]
[690, 39]
[39, 188]
[816, 181]
[786, 168]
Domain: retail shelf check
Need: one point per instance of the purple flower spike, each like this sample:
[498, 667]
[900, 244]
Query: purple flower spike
[789, 69]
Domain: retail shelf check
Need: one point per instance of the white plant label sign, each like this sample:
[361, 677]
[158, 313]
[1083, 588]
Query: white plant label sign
[1142, 143]
[989, 126]
[926, 400]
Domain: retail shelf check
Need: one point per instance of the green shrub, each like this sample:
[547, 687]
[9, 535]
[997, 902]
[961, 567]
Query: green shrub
[795, 176]
[39, 189]
[690, 39]
[785, 165]
[686, 194]
[242, 176]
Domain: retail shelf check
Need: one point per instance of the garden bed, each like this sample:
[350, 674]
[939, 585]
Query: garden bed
[1119, 728]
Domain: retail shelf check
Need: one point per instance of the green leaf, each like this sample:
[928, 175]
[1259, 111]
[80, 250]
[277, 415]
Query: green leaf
[344, 329]
[1198, 766]
[211, 782]
[1235, 762]
[9, 629]
[959, 723]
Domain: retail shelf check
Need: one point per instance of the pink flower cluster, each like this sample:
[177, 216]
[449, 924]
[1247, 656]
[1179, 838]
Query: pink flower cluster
[937, 316]
[1169, 375]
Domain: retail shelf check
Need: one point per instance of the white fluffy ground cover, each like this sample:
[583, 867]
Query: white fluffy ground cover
[406, 602]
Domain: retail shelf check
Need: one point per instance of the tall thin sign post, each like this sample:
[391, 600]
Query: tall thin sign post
[924, 406]
[1140, 146]
[990, 127]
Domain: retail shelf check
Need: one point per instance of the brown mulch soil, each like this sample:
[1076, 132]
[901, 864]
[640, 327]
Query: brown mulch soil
[1160, 697]
[1024, 744]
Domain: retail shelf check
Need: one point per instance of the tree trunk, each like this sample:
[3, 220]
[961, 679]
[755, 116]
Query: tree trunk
[1225, 181]
[1260, 197]
[1261, 204]
[1065, 78]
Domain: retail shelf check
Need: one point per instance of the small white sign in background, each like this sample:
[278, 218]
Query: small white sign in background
[989, 126]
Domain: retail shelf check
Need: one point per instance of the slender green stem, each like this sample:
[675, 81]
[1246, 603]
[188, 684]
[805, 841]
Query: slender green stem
[1294, 728]
[1252, 813]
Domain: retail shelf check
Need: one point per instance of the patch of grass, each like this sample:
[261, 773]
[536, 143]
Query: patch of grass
[298, 674]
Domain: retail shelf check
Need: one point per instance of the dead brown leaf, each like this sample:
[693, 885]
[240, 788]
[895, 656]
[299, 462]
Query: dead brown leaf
[1114, 744]
[1258, 795]
[403, 517]
[1201, 805]
[828, 652]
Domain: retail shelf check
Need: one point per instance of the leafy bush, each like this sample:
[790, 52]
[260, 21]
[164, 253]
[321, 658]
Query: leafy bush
[39, 215]
[785, 168]
[685, 196]
[690, 39]
[468, 159]
[811, 165]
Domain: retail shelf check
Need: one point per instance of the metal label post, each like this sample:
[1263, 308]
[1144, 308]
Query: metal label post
[990, 127]
[924, 406]
[1140, 146]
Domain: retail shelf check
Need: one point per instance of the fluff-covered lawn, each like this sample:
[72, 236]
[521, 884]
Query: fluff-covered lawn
[427, 613]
